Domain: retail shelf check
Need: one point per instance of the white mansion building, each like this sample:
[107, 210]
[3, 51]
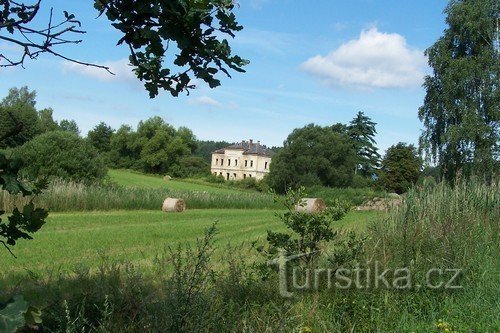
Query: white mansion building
[241, 160]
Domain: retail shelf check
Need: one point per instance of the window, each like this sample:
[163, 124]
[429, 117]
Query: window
[216, 161]
[251, 164]
[265, 165]
[229, 162]
[244, 176]
[235, 162]
[234, 175]
[222, 162]
[250, 176]
[227, 176]
[246, 163]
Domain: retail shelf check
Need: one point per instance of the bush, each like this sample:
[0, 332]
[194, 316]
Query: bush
[61, 155]
[219, 179]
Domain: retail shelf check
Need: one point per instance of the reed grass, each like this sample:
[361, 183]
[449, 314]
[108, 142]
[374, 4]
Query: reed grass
[64, 196]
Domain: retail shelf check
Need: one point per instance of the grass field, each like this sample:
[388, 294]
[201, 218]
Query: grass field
[69, 239]
[133, 179]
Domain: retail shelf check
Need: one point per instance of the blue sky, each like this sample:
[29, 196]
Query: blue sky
[316, 61]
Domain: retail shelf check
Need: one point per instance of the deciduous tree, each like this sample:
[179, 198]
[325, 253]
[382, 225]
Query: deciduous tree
[400, 167]
[170, 42]
[313, 155]
[461, 110]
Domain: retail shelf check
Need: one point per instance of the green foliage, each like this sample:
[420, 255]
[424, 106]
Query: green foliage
[219, 179]
[310, 231]
[355, 196]
[18, 117]
[204, 149]
[16, 314]
[313, 155]
[100, 137]
[46, 121]
[124, 153]
[400, 168]
[156, 147]
[69, 126]
[362, 132]
[27, 219]
[190, 166]
[461, 110]
[196, 28]
[61, 155]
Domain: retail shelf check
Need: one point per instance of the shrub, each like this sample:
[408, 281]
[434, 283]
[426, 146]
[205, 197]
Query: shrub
[310, 230]
[61, 155]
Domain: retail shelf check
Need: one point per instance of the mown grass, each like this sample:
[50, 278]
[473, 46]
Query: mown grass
[77, 238]
[130, 178]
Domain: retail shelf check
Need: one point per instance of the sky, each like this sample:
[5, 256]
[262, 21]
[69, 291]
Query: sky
[316, 62]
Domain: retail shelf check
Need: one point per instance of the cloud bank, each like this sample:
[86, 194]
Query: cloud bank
[374, 60]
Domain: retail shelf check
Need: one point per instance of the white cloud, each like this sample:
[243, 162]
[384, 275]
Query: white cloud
[374, 60]
[121, 69]
[205, 100]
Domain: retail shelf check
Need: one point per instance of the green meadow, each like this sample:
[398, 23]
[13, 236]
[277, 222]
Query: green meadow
[82, 238]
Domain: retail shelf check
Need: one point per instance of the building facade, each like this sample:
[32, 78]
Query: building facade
[242, 160]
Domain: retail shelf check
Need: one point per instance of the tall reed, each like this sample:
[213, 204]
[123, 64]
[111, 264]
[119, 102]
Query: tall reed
[67, 196]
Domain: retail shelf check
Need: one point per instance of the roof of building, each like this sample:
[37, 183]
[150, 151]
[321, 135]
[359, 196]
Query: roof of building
[249, 148]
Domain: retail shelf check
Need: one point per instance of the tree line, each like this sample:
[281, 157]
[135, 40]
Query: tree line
[334, 156]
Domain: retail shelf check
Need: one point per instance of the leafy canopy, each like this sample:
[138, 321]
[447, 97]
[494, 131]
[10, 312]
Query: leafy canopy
[61, 154]
[461, 110]
[313, 155]
[170, 42]
[400, 167]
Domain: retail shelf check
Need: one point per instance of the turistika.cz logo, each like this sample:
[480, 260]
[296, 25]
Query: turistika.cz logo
[294, 278]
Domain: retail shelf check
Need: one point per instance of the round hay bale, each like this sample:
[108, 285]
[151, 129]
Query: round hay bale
[311, 205]
[173, 205]
[167, 178]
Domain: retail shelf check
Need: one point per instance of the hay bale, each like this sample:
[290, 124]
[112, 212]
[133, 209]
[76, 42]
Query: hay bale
[167, 178]
[173, 205]
[311, 205]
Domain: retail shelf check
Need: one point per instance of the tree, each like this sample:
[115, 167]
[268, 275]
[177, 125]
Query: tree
[191, 166]
[69, 126]
[46, 121]
[60, 154]
[362, 132]
[18, 117]
[191, 33]
[313, 155]
[400, 167]
[100, 137]
[461, 110]
[124, 153]
[204, 148]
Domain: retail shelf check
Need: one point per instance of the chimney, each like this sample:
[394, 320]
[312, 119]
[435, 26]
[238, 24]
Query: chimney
[251, 143]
